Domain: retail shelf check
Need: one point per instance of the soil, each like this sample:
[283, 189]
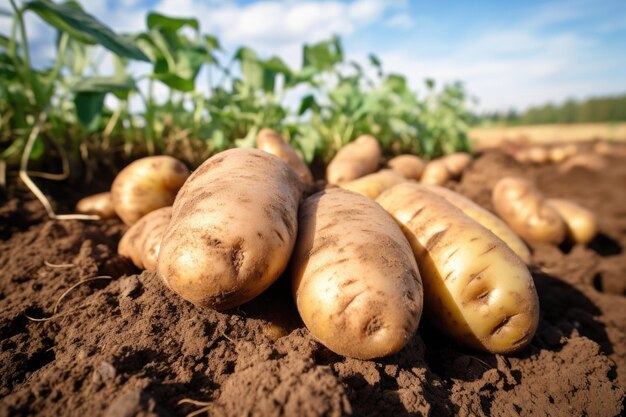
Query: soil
[127, 346]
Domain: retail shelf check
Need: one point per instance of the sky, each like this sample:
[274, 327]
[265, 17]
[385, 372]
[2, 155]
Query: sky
[510, 55]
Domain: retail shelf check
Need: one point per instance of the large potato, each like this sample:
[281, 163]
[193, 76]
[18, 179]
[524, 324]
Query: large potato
[354, 160]
[270, 141]
[475, 288]
[410, 167]
[142, 241]
[524, 208]
[581, 223]
[486, 218]
[98, 204]
[372, 185]
[355, 280]
[233, 227]
[146, 185]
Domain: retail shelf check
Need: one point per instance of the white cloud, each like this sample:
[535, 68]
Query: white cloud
[400, 21]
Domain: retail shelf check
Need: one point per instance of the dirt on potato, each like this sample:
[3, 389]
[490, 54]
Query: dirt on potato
[127, 346]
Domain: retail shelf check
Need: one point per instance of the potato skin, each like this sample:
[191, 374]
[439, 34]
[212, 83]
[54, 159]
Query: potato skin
[372, 185]
[233, 228]
[456, 163]
[142, 241]
[475, 288]
[145, 185]
[354, 160]
[410, 167]
[436, 172]
[270, 141]
[581, 223]
[524, 208]
[484, 217]
[98, 204]
[354, 276]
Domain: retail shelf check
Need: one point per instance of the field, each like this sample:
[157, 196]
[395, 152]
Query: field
[128, 346]
[489, 137]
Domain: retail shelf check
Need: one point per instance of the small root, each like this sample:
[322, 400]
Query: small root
[204, 406]
[51, 265]
[65, 293]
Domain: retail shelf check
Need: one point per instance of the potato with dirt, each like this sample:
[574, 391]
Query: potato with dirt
[354, 276]
[484, 217]
[436, 173]
[142, 241]
[524, 208]
[145, 185]
[270, 141]
[476, 289]
[99, 204]
[372, 185]
[410, 167]
[233, 228]
[354, 160]
[581, 223]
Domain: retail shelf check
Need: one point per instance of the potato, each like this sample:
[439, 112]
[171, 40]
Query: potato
[373, 184]
[98, 204]
[524, 208]
[233, 227]
[270, 141]
[354, 276]
[476, 289]
[581, 223]
[538, 155]
[354, 160]
[142, 241]
[435, 173]
[146, 185]
[410, 167]
[456, 163]
[485, 218]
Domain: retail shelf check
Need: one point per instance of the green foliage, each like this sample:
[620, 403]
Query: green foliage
[593, 110]
[245, 93]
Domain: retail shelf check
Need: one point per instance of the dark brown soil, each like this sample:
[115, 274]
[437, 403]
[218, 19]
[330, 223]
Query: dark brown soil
[128, 346]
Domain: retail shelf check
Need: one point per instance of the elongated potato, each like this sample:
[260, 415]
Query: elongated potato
[435, 173]
[354, 160]
[142, 241]
[581, 223]
[146, 185]
[354, 276]
[270, 141]
[98, 204]
[410, 167]
[538, 155]
[372, 185]
[486, 218]
[475, 288]
[524, 208]
[233, 227]
[588, 161]
[456, 163]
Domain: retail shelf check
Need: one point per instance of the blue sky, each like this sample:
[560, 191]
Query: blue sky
[509, 54]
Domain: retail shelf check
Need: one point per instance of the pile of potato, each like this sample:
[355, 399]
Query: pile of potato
[366, 253]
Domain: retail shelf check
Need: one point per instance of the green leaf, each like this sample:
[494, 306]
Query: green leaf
[375, 61]
[251, 67]
[308, 103]
[89, 108]
[104, 84]
[323, 55]
[70, 18]
[249, 141]
[171, 23]
[212, 42]
[176, 82]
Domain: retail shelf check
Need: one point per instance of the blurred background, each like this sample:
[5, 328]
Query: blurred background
[120, 78]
